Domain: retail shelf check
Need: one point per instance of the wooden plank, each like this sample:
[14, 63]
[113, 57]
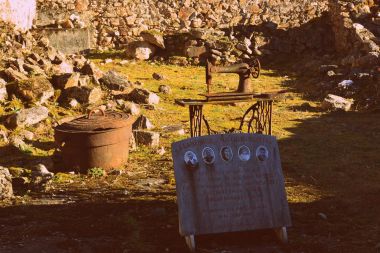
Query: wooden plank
[236, 184]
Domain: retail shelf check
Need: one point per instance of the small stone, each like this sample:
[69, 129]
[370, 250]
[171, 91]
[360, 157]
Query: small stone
[17, 141]
[132, 108]
[158, 76]
[6, 190]
[3, 90]
[147, 138]
[140, 50]
[176, 129]
[132, 143]
[28, 135]
[106, 61]
[142, 123]
[114, 81]
[123, 62]
[333, 102]
[40, 170]
[161, 151]
[322, 216]
[195, 51]
[331, 73]
[67, 24]
[37, 89]
[3, 136]
[165, 89]
[216, 52]
[345, 84]
[143, 96]
[73, 103]
[28, 117]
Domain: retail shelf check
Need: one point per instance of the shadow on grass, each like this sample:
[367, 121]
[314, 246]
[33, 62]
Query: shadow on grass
[336, 158]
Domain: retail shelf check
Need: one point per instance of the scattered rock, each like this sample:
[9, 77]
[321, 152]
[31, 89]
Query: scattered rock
[132, 143]
[114, 81]
[165, 89]
[175, 129]
[132, 108]
[153, 37]
[84, 95]
[65, 81]
[6, 190]
[3, 136]
[63, 68]
[322, 216]
[158, 76]
[140, 50]
[73, 103]
[25, 134]
[142, 123]
[161, 151]
[143, 96]
[14, 75]
[40, 170]
[333, 103]
[196, 51]
[90, 68]
[345, 84]
[36, 89]
[28, 117]
[3, 90]
[106, 61]
[147, 138]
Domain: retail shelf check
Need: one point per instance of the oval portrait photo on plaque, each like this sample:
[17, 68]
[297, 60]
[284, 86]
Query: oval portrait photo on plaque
[262, 153]
[190, 159]
[226, 154]
[244, 153]
[208, 155]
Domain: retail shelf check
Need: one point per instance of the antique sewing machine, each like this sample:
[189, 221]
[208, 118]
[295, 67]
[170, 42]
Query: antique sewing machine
[244, 70]
[258, 117]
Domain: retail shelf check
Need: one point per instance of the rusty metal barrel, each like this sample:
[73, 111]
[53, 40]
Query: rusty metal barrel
[98, 140]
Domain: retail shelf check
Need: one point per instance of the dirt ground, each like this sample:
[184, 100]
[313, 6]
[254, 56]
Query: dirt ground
[330, 160]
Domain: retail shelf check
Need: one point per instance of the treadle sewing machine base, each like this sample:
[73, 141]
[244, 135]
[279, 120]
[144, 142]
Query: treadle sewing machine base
[258, 115]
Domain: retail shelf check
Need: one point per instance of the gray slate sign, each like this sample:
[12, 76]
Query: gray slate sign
[229, 183]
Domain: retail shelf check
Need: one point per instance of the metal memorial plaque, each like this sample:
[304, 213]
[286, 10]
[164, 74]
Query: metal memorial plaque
[229, 183]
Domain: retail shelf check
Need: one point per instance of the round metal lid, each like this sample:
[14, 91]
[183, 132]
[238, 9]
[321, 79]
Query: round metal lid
[97, 121]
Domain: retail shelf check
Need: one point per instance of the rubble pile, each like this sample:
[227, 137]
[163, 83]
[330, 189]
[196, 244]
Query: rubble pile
[40, 85]
[353, 70]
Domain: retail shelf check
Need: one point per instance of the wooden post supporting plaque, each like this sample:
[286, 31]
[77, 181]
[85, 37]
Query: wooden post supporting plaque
[229, 183]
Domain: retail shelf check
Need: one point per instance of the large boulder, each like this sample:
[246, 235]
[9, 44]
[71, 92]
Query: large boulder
[336, 103]
[28, 117]
[6, 190]
[114, 81]
[140, 50]
[36, 89]
[154, 37]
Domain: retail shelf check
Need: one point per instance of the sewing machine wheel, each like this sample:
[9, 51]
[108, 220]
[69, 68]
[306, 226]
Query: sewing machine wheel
[255, 68]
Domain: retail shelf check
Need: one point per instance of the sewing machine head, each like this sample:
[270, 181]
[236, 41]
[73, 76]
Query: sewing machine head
[244, 70]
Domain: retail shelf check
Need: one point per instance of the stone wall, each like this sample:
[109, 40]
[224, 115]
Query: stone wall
[19, 12]
[118, 22]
